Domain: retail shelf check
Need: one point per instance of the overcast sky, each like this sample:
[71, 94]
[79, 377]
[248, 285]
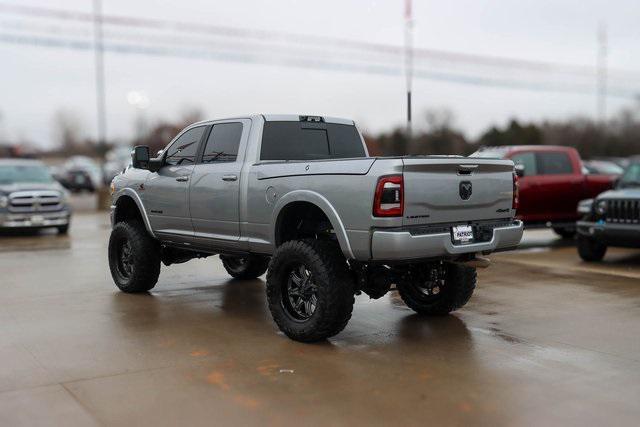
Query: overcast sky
[37, 81]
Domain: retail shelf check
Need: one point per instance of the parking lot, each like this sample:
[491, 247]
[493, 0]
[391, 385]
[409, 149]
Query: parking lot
[546, 340]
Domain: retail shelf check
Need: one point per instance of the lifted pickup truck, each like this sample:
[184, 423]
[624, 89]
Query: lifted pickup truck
[552, 182]
[300, 197]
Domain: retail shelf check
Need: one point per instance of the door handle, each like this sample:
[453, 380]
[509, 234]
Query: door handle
[229, 177]
[182, 178]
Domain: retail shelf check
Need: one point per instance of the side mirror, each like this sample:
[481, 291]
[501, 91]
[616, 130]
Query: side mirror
[519, 168]
[140, 157]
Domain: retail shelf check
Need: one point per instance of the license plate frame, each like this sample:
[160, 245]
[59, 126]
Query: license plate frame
[462, 234]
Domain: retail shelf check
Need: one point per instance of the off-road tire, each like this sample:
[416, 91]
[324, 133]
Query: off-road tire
[334, 289]
[145, 257]
[248, 267]
[590, 250]
[63, 229]
[565, 233]
[460, 282]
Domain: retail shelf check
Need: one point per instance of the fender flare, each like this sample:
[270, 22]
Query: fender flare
[136, 198]
[324, 205]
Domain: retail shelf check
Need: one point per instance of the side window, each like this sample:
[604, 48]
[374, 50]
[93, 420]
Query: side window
[223, 142]
[183, 150]
[554, 163]
[528, 160]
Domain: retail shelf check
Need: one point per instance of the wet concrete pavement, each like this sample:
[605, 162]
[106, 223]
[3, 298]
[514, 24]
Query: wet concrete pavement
[546, 340]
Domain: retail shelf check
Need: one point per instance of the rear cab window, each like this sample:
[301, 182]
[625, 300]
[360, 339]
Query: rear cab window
[528, 160]
[288, 140]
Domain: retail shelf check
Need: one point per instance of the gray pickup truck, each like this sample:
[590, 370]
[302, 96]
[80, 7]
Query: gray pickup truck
[30, 198]
[299, 196]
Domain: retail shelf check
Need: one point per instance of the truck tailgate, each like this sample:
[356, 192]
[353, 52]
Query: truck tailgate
[456, 189]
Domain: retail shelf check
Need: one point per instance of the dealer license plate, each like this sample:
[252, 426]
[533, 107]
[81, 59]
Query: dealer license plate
[462, 234]
[37, 219]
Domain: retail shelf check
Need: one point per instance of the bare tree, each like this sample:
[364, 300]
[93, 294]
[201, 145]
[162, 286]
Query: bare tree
[439, 119]
[191, 115]
[67, 129]
[1, 128]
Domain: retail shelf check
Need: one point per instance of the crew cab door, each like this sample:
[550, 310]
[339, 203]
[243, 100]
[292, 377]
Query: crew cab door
[165, 192]
[551, 186]
[560, 185]
[215, 184]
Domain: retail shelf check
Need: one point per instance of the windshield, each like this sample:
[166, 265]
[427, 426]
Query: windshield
[15, 174]
[631, 176]
[493, 153]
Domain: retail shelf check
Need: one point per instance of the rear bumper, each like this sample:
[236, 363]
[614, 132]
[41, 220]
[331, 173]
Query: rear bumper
[625, 235]
[402, 245]
[35, 220]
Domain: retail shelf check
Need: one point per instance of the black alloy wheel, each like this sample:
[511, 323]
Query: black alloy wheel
[300, 293]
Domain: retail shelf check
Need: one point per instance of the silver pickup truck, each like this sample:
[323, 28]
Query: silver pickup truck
[299, 197]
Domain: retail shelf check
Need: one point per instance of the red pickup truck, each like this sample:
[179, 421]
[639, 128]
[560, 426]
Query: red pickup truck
[552, 182]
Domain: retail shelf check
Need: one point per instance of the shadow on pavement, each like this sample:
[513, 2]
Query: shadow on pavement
[33, 240]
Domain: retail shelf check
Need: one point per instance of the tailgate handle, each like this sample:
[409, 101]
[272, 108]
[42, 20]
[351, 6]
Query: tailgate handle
[466, 169]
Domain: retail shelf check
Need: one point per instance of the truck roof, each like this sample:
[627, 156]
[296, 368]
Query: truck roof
[286, 118]
[509, 148]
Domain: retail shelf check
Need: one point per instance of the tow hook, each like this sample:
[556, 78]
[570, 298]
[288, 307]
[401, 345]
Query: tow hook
[476, 262]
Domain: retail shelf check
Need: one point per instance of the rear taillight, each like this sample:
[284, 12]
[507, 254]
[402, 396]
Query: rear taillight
[516, 193]
[389, 197]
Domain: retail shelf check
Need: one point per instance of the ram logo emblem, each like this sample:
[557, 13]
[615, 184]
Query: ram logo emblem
[465, 190]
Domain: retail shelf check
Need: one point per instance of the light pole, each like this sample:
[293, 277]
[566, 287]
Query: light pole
[601, 98]
[101, 107]
[408, 59]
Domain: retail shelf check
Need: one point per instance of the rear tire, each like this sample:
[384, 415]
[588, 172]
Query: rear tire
[309, 289]
[591, 250]
[248, 267]
[565, 233]
[134, 257]
[438, 295]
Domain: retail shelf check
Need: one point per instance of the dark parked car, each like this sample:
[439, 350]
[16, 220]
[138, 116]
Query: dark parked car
[80, 174]
[612, 218]
[552, 182]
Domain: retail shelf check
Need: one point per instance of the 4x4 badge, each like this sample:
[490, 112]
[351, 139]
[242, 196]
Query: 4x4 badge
[465, 190]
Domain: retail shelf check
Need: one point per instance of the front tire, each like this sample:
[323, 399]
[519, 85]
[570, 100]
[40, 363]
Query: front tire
[134, 257]
[309, 289]
[247, 267]
[591, 250]
[439, 289]
[63, 229]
